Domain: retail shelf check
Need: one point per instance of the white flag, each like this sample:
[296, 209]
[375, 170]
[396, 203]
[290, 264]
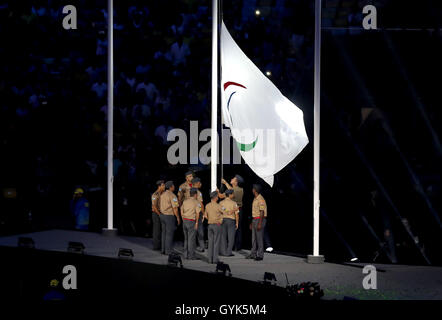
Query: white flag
[267, 127]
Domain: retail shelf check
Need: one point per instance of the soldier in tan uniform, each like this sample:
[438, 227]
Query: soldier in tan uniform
[259, 216]
[184, 188]
[156, 221]
[169, 217]
[235, 185]
[214, 216]
[190, 212]
[230, 223]
[196, 183]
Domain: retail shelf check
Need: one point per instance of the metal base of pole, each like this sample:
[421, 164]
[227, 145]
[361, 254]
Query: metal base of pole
[109, 232]
[315, 259]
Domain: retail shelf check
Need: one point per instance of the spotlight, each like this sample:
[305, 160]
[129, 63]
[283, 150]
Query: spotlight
[174, 259]
[269, 278]
[257, 12]
[223, 268]
[25, 242]
[268, 73]
[76, 247]
[125, 254]
[354, 259]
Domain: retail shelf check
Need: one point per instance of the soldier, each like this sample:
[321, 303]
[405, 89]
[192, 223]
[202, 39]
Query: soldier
[259, 216]
[196, 183]
[214, 216]
[156, 221]
[184, 188]
[190, 213]
[169, 209]
[238, 192]
[230, 223]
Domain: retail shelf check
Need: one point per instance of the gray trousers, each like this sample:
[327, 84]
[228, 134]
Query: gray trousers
[258, 238]
[200, 235]
[168, 227]
[189, 239]
[214, 235]
[227, 237]
[156, 231]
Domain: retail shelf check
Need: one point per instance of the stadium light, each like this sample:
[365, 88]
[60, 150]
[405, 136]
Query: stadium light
[223, 268]
[76, 247]
[269, 278]
[125, 254]
[174, 259]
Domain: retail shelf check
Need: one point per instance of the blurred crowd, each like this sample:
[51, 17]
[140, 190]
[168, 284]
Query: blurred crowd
[53, 107]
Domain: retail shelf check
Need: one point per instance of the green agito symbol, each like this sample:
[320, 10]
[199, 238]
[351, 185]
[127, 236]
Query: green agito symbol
[246, 146]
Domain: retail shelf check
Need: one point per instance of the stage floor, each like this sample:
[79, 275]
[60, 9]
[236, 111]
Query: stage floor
[337, 280]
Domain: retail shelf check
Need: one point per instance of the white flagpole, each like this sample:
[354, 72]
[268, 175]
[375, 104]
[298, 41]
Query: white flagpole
[214, 137]
[316, 258]
[110, 121]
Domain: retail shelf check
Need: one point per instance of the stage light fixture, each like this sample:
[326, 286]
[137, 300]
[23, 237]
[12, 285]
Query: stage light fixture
[76, 247]
[26, 242]
[268, 73]
[223, 268]
[174, 259]
[124, 253]
[257, 12]
[354, 259]
[269, 278]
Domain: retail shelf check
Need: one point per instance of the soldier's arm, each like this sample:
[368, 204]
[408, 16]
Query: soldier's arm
[197, 217]
[175, 212]
[220, 195]
[180, 197]
[155, 207]
[261, 214]
[175, 207]
[226, 184]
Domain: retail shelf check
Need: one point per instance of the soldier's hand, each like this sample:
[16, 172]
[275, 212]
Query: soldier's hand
[223, 181]
[250, 227]
[196, 226]
[237, 227]
[259, 226]
[179, 221]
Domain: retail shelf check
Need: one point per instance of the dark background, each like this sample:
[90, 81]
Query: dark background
[380, 116]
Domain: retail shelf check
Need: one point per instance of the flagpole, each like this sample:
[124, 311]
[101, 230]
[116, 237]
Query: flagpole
[110, 121]
[221, 149]
[316, 258]
[214, 136]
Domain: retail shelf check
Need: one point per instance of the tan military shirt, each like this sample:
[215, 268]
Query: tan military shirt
[259, 204]
[168, 201]
[156, 200]
[229, 208]
[214, 213]
[200, 197]
[190, 208]
[239, 193]
[184, 189]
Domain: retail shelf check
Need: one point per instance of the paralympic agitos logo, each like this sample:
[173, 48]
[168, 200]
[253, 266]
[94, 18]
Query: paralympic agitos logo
[230, 102]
